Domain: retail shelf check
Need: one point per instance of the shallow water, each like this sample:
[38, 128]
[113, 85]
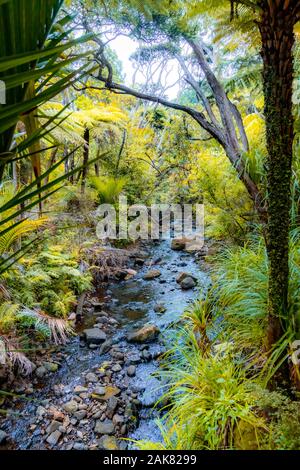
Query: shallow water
[132, 303]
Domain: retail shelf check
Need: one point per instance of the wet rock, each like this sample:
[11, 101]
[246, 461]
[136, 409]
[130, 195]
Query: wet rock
[105, 347]
[94, 336]
[91, 377]
[50, 366]
[160, 308]
[147, 333]
[104, 427]
[152, 274]
[3, 436]
[110, 391]
[54, 438]
[178, 244]
[80, 415]
[71, 406]
[131, 371]
[108, 443]
[188, 283]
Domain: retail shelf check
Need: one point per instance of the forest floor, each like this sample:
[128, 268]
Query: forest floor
[98, 391]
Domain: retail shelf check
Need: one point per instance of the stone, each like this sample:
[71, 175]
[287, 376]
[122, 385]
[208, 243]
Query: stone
[147, 333]
[100, 391]
[54, 438]
[112, 404]
[41, 411]
[80, 389]
[108, 443]
[105, 347]
[94, 336]
[40, 372]
[110, 391]
[104, 427]
[188, 283]
[178, 244]
[184, 275]
[116, 368]
[131, 371]
[53, 426]
[152, 274]
[3, 436]
[71, 406]
[50, 366]
[159, 308]
[91, 377]
[93, 346]
[118, 419]
[79, 446]
[81, 414]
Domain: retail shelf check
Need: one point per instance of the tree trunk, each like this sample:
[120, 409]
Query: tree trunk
[85, 158]
[276, 28]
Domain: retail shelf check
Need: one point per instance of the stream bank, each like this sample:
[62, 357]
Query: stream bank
[98, 390]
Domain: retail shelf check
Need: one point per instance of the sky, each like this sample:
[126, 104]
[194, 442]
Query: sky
[124, 47]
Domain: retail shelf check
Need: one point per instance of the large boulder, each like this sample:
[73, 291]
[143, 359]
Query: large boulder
[152, 274]
[94, 336]
[188, 283]
[145, 334]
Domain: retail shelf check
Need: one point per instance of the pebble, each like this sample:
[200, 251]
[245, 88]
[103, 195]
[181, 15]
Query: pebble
[131, 371]
[54, 438]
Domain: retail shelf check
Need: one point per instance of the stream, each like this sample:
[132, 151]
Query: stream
[132, 303]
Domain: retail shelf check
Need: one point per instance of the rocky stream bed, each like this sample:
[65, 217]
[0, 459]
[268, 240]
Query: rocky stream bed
[98, 391]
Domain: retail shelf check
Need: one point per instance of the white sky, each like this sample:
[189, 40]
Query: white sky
[124, 47]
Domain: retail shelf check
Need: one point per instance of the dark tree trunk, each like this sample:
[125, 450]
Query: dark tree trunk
[85, 158]
[276, 28]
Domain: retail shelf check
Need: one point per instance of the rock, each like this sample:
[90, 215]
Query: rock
[54, 438]
[71, 406]
[72, 316]
[40, 372]
[53, 426]
[134, 359]
[3, 436]
[159, 308]
[108, 443]
[118, 419]
[91, 377]
[147, 333]
[81, 414]
[104, 427]
[79, 446]
[130, 273]
[131, 371]
[41, 411]
[178, 244]
[116, 368]
[50, 366]
[80, 389]
[139, 261]
[100, 391]
[94, 336]
[105, 347]
[188, 283]
[183, 276]
[112, 404]
[152, 274]
[110, 391]
[93, 346]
